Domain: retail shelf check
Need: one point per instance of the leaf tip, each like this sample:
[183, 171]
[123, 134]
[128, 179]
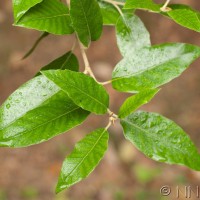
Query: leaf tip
[60, 187]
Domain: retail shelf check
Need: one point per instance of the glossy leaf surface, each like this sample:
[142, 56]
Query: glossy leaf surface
[152, 67]
[36, 112]
[66, 61]
[160, 139]
[82, 89]
[87, 20]
[145, 66]
[83, 159]
[131, 34]
[51, 16]
[134, 102]
[20, 7]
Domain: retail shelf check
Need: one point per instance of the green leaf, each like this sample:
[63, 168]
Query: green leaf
[87, 20]
[131, 34]
[36, 112]
[144, 4]
[134, 102]
[82, 89]
[185, 16]
[109, 13]
[20, 7]
[67, 61]
[143, 65]
[160, 139]
[152, 67]
[51, 16]
[83, 159]
[182, 14]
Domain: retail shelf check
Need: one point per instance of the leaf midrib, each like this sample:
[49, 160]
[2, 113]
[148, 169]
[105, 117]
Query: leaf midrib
[188, 21]
[124, 111]
[43, 18]
[67, 59]
[87, 154]
[150, 68]
[147, 134]
[85, 16]
[24, 132]
[86, 94]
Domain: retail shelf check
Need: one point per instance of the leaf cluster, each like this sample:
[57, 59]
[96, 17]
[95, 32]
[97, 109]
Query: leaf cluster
[60, 97]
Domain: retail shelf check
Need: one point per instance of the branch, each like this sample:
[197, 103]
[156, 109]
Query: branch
[112, 118]
[88, 69]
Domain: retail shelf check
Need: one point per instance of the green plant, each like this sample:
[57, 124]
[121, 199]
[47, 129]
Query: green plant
[59, 97]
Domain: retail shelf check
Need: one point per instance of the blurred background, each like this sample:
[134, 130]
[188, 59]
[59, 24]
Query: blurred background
[124, 173]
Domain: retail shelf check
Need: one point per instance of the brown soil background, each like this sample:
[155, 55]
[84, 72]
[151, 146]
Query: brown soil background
[124, 173]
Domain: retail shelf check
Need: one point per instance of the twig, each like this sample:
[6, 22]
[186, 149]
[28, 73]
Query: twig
[111, 122]
[164, 8]
[106, 82]
[68, 2]
[108, 126]
[112, 114]
[88, 69]
[116, 5]
[115, 2]
[112, 118]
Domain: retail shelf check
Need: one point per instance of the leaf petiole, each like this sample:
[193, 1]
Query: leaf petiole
[116, 5]
[164, 8]
[114, 2]
[43, 35]
[106, 82]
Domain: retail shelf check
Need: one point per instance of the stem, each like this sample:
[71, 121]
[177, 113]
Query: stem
[112, 114]
[88, 69]
[119, 10]
[112, 120]
[108, 126]
[164, 8]
[166, 3]
[106, 82]
[116, 5]
[115, 2]
[68, 2]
